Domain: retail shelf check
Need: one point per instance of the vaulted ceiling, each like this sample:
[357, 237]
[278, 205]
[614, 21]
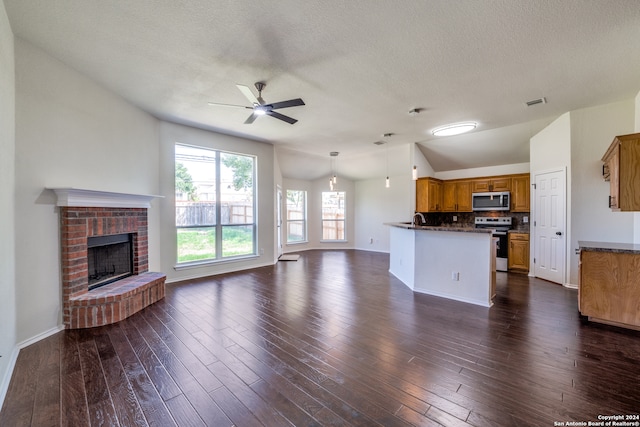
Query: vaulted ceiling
[359, 66]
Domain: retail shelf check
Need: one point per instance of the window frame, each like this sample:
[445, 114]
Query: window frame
[219, 227]
[303, 221]
[343, 220]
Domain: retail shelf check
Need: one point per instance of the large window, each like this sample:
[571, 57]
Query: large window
[215, 204]
[296, 216]
[333, 216]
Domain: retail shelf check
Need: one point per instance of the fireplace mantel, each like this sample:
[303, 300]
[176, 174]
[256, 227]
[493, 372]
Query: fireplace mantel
[75, 197]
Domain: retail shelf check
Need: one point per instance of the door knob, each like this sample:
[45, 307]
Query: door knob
[559, 233]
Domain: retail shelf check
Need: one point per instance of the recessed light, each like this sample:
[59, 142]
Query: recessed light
[454, 129]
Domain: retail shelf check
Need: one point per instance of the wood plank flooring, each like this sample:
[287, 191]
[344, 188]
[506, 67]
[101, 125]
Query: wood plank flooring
[331, 340]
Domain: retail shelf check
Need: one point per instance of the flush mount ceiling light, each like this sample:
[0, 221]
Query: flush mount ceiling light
[454, 129]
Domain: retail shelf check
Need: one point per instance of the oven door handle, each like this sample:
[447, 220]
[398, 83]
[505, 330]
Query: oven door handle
[499, 233]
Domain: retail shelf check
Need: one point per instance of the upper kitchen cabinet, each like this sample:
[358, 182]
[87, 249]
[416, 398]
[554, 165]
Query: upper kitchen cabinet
[520, 194]
[456, 196]
[483, 185]
[428, 195]
[622, 170]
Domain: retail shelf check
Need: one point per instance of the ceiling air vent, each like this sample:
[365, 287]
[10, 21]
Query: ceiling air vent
[536, 101]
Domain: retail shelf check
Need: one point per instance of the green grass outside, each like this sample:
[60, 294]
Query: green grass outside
[197, 244]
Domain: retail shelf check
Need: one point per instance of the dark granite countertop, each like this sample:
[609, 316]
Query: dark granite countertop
[629, 248]
[410, 226]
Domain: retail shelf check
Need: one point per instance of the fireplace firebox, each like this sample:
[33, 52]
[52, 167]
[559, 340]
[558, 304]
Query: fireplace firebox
[109, 258]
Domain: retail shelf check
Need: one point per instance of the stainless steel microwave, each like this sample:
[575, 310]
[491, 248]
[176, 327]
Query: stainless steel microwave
[492, 201]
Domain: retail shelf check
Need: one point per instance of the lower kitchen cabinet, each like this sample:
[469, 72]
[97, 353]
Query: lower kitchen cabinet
[609, 291]
[518, 254]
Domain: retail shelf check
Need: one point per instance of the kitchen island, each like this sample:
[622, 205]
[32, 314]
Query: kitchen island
[450, 262]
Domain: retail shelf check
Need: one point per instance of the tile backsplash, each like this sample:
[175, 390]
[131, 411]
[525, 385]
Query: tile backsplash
[466, 219]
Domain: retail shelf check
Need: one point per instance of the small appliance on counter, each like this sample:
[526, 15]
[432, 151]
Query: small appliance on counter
[500, 226]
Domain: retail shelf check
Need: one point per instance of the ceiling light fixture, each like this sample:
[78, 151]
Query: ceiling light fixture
[454, 129]
[333, 159]
[414, 173]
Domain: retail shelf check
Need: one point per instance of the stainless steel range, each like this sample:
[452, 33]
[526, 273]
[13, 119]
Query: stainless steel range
[500, 226]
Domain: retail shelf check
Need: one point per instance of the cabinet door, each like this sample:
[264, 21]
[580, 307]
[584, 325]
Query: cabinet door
[422, 195]
[614, 178]
[518, 258]
[520, 194]
[449, 197]
[481, 185]
[428, 195]
[435, 196]
[463, 190]
[500, 184]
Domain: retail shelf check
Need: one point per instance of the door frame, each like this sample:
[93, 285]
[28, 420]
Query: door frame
[279, 221]
[567, 228]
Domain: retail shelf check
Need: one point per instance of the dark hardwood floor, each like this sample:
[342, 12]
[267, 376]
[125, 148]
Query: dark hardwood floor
[332, 339]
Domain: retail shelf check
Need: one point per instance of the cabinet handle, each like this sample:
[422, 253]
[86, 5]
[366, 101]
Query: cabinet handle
[609, 201]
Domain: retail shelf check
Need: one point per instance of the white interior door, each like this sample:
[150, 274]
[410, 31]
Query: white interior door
[279, 220]
[549, 226]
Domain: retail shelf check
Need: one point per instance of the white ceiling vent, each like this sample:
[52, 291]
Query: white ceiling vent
[536, 101]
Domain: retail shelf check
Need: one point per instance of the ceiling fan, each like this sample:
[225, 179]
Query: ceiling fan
[260, 107]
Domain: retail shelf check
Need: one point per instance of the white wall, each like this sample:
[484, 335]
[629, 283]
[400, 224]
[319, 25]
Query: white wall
[170, 134]
[636, 216]
[7, 201]
[484, 171]
[70, 132]
[376, 204]
[592, 131]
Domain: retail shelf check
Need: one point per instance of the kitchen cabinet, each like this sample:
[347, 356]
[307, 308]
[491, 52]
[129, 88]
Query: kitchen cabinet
[520, 194]
[428, 195]
[497, 183]
[622, 169]
[456, 196]
[518, 254]
[608, 289]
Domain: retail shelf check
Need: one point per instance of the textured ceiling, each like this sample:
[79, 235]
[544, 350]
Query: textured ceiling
[359, 65]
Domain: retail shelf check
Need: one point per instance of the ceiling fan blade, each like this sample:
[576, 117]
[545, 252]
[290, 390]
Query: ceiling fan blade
[286, 104]
[282, 117]
[248, 94]
[251, 119]
[216, 104]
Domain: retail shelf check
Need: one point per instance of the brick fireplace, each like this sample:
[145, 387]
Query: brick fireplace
[116, 300]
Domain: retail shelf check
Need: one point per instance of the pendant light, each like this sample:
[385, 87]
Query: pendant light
[386, 183]
[414, 173]
[333, 179]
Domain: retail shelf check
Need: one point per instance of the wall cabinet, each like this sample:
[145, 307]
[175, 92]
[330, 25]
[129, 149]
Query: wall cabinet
[428, 195]
[434, 195]
[622, 169]
[456, 196]
[608, 290]
[518, 254]
[520, 193]
[483, 185]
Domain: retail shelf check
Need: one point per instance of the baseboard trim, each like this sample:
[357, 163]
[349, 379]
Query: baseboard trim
[4, 385]
[13, 358]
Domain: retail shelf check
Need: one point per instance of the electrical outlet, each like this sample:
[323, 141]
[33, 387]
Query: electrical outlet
[371, 240]
[455, 218]
[525, 219]
[455, 275]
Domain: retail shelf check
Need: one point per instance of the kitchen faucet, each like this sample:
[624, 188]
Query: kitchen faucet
[423, 221]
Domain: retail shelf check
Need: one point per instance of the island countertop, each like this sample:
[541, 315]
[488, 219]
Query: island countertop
[410, 226]
[630, 248]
